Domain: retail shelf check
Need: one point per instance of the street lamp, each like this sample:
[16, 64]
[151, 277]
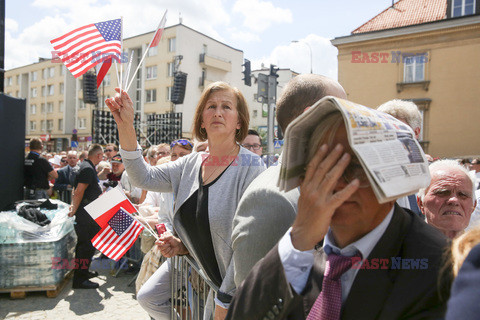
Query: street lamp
[311, 56]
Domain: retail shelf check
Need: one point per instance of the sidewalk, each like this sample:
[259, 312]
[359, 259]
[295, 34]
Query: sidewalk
[113, 300]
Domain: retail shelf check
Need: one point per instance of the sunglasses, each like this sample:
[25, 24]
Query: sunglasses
[182, 142]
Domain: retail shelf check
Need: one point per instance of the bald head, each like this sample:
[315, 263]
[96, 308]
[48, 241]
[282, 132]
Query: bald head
[302, 92]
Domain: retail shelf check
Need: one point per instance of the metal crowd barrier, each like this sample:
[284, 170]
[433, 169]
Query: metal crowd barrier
[65, 195]
[190, 289]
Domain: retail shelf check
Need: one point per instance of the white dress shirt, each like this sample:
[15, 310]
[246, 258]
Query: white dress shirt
[297, 264]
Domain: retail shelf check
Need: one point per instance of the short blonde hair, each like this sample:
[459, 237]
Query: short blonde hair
[462, 245]
[242, 110]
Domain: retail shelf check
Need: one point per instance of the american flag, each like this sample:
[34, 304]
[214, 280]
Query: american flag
[118, 235]
[85, 47]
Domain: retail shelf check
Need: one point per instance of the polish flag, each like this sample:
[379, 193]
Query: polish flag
[107, 205]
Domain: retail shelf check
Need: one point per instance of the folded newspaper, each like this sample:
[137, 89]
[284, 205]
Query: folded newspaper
[386, 147]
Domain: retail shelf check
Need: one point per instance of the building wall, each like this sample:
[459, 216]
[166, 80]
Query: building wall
[453, 73]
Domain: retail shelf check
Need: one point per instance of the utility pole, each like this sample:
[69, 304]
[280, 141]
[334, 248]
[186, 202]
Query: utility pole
[267, 92]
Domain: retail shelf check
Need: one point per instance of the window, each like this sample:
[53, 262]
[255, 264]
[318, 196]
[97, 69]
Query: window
[44, 73]
[17, 94]
[34, 92]
[255, 113]
[169, 93]
[62, 88]
[42, 108]
[170, 68]
[62, 70]
[106, 80]
[33, 125]
[151, 95]
[43, 91]
[82, 105]
[82, 123]
[152, 51]
[42, 125]
[414, 68]
[9, 81]
[172, 44]
[61, 106]
[462, 7]
[49, 125]
[51, 72]
[51, 89]
[151, 72]
[34, 75]
[18, 79]
[60, 124]
[33, 109]
[50, 107]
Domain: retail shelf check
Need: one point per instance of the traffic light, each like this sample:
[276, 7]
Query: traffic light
[179, 86]
[247, 78]
[273, 71]
[90, 88]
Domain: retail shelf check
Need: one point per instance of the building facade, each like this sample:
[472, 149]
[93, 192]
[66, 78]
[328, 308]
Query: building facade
[427, 52]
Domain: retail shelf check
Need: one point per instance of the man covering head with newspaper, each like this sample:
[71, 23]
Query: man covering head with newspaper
[346, 254]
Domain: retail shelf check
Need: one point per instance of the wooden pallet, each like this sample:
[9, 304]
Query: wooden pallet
[52, 291]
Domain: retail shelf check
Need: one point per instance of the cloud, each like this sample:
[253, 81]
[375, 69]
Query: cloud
[243, 36]
[296, 56]
[11, 25]
[260, 15]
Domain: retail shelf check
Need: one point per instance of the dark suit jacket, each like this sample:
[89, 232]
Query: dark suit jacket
[464, 301]
[407, 292]
[63, 180]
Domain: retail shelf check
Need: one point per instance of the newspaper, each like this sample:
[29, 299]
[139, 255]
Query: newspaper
[386, 148]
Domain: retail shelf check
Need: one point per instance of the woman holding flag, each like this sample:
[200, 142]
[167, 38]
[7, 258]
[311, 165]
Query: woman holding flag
[207, 187]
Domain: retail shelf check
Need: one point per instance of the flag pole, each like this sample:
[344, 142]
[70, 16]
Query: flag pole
[146, 226]
[121, 55]
[128, 68]
[146, 51]
[118, 79]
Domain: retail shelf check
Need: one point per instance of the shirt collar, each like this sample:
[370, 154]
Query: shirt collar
[365, 244]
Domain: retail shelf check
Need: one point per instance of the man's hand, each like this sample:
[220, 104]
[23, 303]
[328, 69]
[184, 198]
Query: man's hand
[318, 201]
[170, 246]
[71, 211]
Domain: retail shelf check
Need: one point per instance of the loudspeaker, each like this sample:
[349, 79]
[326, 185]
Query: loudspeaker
[179, 85]
[90, 88]
[12, 140]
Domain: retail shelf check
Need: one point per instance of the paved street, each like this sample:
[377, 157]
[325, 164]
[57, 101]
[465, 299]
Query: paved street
[113, 300]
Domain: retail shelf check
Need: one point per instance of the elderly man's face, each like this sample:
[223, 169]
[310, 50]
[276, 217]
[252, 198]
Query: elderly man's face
[361, 213]
[117, 168]
[448, 202]
[72, 159]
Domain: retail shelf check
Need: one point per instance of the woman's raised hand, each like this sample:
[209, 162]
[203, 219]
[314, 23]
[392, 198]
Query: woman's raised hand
[121, 107]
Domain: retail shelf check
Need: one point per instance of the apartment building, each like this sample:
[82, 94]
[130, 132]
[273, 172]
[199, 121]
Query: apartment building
[426, 51]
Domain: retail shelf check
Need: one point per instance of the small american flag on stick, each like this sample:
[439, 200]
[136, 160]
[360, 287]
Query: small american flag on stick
[118, 235]
[85, 47]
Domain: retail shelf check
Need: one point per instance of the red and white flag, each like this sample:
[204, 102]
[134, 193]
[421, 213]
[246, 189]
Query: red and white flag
[107, 205]
[87, 46]
[158, 34]
[118, 235]
[102, 72]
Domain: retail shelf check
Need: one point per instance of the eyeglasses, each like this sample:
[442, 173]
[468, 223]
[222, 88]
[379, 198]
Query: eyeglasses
[182, 142]
[354, 171]
[255, 146]
[108, 150]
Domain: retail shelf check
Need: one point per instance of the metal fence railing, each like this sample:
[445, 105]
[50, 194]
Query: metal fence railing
[190, 289]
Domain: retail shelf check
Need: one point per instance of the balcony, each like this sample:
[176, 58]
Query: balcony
[215, 62]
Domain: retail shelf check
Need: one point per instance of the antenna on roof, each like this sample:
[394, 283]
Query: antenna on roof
[393, 4]
[180, 20]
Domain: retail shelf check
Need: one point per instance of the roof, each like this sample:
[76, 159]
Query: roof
[406, 13]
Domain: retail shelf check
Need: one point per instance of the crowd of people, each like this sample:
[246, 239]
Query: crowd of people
[275, 254]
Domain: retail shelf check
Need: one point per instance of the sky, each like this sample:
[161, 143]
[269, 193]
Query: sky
[262, 29]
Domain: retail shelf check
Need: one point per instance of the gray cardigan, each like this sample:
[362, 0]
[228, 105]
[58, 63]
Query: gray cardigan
[181, 178]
